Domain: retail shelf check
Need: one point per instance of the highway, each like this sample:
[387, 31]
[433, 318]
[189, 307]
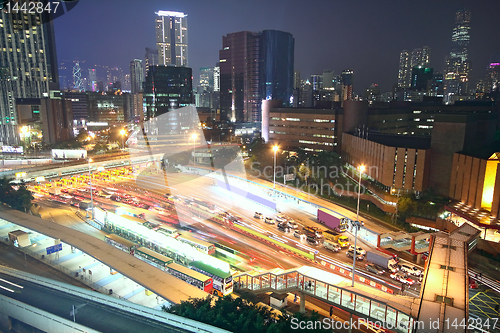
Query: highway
[90, 314]
[188, 185]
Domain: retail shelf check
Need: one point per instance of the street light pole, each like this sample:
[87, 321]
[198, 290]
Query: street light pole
[356, 227]
[275, 149]
[91, 193]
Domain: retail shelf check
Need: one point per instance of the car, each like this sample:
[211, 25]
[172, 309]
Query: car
[359, 256]
[258, 215]
[375, 269]
[292, 224]
[410, 269]
[360, 250]
[312, 241]
[297, 233]
[269, 220]
[283, 227]
[402, 277]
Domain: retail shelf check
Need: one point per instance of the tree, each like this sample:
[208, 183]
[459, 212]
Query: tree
[20, 199]
[82, 135]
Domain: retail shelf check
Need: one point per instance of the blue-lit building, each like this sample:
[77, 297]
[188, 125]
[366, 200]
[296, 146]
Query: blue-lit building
[276, 66]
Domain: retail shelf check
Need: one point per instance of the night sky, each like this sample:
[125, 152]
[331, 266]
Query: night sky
[364, 35]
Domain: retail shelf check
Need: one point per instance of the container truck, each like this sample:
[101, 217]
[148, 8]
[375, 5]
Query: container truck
[332, 219]
[382, 259]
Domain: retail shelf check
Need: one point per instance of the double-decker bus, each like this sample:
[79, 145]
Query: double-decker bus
[121, 243]
[152, 257]
[195, 278]
[200, 245]
[222, 281]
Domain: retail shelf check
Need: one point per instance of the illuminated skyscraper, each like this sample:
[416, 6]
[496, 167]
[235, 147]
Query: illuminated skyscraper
[172, 38]
[28, 66]
[419, 57]
[404, 67]
[457, 65]
[347, 78]
[136, 76]
[253, 67]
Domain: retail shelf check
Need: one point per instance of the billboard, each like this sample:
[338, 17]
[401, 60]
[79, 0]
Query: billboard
[61, 154]
[10, 149]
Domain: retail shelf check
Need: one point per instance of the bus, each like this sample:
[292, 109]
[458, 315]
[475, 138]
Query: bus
[222, 281]
[169, 231]
[197, 279]
[202, 246]
[152, 258]
[121, 243]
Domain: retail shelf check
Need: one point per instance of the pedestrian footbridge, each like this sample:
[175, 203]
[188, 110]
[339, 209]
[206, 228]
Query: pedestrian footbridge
[362, 301]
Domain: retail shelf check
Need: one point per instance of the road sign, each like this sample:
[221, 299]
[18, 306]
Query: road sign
[54, 248]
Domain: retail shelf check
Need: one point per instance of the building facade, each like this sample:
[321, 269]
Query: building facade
[28, 66]
[111, 108]
[172, 38]
[167, 88]
[314, 129]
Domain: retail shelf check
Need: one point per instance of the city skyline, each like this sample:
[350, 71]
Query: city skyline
[344, 39]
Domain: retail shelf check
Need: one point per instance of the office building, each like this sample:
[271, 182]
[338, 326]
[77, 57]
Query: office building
[421, 78]
[28, 66]
[78, 102]
[457, 65]
[167, 88]
[314, 129]
[150, 59]
[255, 67]
[172, 38]
[276, 54]
[419, 57]
[92, 79]
[239, 76]
[136, 76]
[112, 107]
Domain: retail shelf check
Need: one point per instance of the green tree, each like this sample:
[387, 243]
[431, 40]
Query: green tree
[18, 199]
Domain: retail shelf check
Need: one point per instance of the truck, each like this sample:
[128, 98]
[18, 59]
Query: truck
[331, 245]
[312, 232]
[332, 219]
[382, 259]
[85, 205]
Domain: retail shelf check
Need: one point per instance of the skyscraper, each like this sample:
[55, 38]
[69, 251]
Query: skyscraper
[404, 67]
[253, 67]
[239, 76]
[347, 79]
[419, 57]
[276, 54]
[167, 88]
[150, 59]
[28, 66]
[172, 38]
[136, 76]
[457, 65]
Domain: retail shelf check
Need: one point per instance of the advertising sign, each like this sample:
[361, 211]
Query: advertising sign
[10, 149]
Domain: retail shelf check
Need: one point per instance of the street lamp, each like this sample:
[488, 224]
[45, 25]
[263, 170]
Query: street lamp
[91, 193]
[275, 149]
[194, 136]
[356, 226]
[122, 133]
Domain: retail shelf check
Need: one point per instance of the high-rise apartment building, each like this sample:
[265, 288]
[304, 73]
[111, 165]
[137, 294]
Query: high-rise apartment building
[172, 38]
[419, 58]
[254, 67]
[28, 66]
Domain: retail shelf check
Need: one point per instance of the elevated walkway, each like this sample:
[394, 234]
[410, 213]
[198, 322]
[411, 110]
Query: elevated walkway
[362, 301]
